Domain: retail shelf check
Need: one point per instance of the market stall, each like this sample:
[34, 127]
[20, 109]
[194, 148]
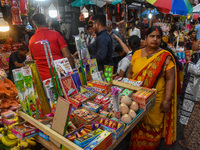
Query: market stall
[80, 108]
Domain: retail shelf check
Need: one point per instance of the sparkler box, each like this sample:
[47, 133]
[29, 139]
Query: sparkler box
[100, 84]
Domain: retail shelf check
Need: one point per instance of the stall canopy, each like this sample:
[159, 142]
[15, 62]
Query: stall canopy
[146, 12]
[100, 3]
[196, 8]
[176, 7]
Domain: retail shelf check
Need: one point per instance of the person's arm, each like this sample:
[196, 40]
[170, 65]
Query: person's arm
[170, 80]
[195, 46]
[121, 73]
[124, 47]
[18, 64]
[66, 54]
[130, 72]
[194, 68]
[13, 58]
[139, 34]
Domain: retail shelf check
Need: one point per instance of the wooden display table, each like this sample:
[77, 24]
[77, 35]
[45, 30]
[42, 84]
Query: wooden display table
[62, 140]
[70, 145]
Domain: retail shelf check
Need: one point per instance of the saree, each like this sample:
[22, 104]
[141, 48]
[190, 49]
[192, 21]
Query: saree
[155, 124]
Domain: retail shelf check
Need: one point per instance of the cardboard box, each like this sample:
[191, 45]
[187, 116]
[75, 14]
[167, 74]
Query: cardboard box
[144, 95]
[103, 141]
[61, 118]
[87, 138]
[46, 121]
[23, 135]
[100, 84]
[116, 133]
[91, 105]
[85, 118]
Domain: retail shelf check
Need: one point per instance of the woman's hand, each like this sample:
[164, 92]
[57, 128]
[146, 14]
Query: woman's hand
[165, 106]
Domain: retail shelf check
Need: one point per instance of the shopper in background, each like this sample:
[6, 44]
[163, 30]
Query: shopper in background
[17, 59]
[191, 40]
[90, 36]
[180, 24]
[25, 37]
[197, 28]
[190, 113]
[57, 44]
[102, 48]
[156, 68]
[116, 58]
[134, 30]
[127, 51]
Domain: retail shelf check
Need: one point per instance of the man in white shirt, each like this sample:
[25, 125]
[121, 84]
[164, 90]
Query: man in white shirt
[134, 30]
[89, 38]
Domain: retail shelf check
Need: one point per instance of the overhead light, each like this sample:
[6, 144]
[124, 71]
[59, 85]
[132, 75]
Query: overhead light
[53, 11]
[4, 27]
[150, 15]
[85, 12]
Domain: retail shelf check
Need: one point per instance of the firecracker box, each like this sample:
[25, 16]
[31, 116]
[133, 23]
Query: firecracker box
[9, 117]
[93, 106]
[24, 131]
[116, 131]
[46, 121]
[88, 137]
[44, 136]
[144, 95]
[100, 84]
[103, 141]
[84, 115]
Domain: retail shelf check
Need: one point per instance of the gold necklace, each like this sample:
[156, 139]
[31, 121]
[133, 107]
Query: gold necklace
[151, 53]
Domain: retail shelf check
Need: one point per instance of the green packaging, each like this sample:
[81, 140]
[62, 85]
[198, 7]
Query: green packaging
[19, 83]
[30, 93]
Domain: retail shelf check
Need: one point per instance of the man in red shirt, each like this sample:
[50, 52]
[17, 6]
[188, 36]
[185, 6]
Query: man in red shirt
[58, 45]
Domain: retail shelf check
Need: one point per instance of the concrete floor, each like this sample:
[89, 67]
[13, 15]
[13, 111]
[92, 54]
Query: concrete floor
[124, 145]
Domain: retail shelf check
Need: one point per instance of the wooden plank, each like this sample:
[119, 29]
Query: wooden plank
[48, 144]
[126, 85]
[61, 118]
[128, 129]
[54, 135]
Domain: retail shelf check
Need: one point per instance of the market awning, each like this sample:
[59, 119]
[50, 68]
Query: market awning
[100, 3]
[176, 7]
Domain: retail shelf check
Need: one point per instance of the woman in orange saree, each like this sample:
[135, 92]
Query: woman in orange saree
[157, 69]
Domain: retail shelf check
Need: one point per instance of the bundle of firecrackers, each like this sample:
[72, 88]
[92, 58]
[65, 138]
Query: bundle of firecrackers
[84, 114]
[130, 81]
[84, 135]
[110, 123]
[8, 96]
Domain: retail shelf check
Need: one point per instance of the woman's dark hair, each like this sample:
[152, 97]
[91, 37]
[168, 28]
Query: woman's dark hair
[154, 28]
[39, 19]
[164, 46]
[118, 48]
[134, 42]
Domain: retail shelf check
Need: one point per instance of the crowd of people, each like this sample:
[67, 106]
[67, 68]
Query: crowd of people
[154, 64]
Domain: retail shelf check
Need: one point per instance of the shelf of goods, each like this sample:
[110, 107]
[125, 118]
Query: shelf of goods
[70, 145]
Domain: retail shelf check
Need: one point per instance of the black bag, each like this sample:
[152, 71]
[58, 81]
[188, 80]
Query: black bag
[195, 57]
